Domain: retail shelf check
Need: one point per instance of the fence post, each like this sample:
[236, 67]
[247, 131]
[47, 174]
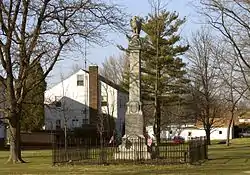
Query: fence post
[103, 153]
[196, 149]
[200, 149]
[206, 148]
[190, 151]
[53, 148]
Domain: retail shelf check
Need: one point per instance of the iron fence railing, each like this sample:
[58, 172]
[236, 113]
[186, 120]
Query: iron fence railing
[133, 150]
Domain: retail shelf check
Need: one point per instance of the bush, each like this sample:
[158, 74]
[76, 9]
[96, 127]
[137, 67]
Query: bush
[85, 132]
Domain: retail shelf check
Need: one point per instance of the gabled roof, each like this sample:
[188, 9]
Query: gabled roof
[101, 78]
[218, 122]
[109, 82]
[245, 115]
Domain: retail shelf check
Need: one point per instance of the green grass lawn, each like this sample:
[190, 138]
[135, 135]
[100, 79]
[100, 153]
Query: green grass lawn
[232, 160]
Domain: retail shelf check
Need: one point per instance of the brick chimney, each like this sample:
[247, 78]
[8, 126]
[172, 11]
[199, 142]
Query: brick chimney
[94, 93]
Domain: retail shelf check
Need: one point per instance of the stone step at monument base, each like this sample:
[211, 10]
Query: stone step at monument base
[132, 155]
[133, 148]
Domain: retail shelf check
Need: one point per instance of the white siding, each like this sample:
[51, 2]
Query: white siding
[220, 134]
[116, 104]
[110, 94]
[187, 133]
[74, 102]
[122, 102]
[150, 132]
[69, 88]
[77, 96]
[216, 133]
[244, 120]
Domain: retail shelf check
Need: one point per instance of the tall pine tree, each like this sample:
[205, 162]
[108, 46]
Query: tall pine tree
[33, 104]
[163, 74]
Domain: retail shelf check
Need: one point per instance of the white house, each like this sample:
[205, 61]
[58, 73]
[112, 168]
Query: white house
[244, 118]
[80, 98]
[188, 131]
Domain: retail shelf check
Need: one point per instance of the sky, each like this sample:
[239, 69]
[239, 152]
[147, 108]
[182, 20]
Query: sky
[97, 54]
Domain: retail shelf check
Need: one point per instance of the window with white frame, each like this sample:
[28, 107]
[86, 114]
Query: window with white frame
[80, 80]
[104, 101]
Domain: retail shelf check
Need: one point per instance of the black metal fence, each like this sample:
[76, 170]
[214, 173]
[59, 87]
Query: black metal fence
[198, 149]
[132, 150]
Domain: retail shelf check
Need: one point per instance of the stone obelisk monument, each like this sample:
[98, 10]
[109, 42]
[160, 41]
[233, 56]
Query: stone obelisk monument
[133, 142]
[134, 117]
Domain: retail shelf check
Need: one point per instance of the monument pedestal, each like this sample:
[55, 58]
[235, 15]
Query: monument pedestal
[133, 148]
[133, 145]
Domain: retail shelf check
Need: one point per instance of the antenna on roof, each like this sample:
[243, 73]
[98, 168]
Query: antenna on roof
[85, 117]
[85, 55]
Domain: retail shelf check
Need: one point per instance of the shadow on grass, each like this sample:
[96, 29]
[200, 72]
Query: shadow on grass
[230, 157]
[2, 159]
[230, 148]
[37, 156]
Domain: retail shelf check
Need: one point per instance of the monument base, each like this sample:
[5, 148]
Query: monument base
[133, 148]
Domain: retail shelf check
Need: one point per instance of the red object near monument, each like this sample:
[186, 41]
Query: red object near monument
[178, 139]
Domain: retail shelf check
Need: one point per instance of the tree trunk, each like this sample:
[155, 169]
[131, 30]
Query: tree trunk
[157, 127]
[65, 135]
[18, 138]
[157, 130]
[15, 140]
[228, 130]
[208, 136]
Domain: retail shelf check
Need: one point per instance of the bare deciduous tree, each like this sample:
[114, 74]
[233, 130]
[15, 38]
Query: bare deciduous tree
[233, 84]
[114, 68]
[41, 31]
[105, 116]
[108, 103]
[205, 81]
[232, 20]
